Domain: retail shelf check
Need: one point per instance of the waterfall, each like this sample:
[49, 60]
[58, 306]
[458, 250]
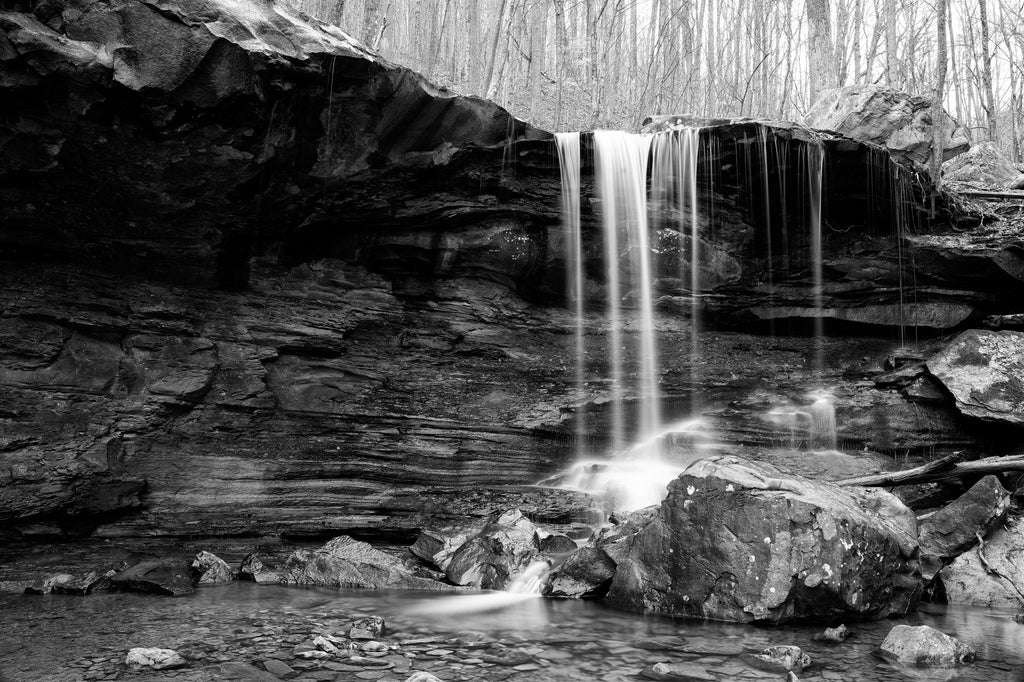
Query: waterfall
[568, 145]
[621, 160]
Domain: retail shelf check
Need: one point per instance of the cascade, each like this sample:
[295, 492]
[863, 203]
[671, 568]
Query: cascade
[525, 587]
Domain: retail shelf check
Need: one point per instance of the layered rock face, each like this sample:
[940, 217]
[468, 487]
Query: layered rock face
[742, 542]
[256, 280]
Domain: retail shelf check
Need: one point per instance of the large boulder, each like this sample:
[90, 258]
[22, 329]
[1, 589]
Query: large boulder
[991, 574]
[900, 122]
[740, 541]
[983, 166]
[924, 645]
[497, 555]
[345, 562]
[984, 370]
[956, 527]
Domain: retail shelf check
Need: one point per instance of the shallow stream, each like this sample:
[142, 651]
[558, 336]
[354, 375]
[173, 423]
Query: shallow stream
[64, 638]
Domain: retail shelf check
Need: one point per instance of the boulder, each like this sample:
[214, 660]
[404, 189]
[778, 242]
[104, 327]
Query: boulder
[555, 543]
[210, 568]
[900, 122]
[991, 574]
[171, 577]
[494, 557]
[924, 645]
[955, 528]
[255, 568]
[152, 657]
[740, 541]
[983, 167]
[88, 583]
[587, 572]
[345, 562]
[984, 370]
[437, 545]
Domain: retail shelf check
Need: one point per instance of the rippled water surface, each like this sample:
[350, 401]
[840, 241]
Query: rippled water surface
[74, 638]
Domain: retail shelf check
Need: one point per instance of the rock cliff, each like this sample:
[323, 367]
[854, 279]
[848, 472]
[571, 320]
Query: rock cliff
[257, 280]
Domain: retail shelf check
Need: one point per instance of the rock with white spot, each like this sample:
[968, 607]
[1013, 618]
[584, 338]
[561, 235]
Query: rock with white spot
[821, 551]
[924, 645]
[780, 659]
[152, 657]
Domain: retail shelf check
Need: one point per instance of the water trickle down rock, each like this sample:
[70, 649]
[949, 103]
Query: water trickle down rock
[740, 541]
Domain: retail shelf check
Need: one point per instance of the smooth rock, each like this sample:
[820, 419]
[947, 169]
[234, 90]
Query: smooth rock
[156, 576]
[924, 645]
[587, 572]
[983, 369]
[742, 542]
[421, 676]
[156, 658]
[209, 568]
[279, 668]
[955, 528]
[833, 635]
[900, 122]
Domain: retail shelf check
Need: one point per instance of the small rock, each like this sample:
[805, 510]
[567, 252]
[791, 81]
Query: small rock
[369, 627]
[684, 672]
[374, 645]
[782, 658]
[253, 568]
[555, 543]
[835, 635]
[88, 583]
[209, 568]
[924, 645]
[421, 676]
[158, 659]
[279, 668]
[323, 644]
[313, 654]
[156, 576]
[45, 583]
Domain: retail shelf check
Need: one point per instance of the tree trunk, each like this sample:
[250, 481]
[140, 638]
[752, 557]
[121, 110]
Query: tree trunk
[821, 55]
[490, 79]
[986, 72]
[938, 129]
[891, 57]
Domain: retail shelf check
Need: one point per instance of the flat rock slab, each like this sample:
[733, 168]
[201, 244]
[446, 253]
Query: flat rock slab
[984, 370]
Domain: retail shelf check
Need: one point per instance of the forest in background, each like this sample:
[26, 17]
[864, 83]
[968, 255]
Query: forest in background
[584, 64]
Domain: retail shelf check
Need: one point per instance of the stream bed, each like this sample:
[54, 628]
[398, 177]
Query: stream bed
[65, 638]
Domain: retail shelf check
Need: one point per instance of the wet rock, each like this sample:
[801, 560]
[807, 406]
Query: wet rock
[156, 658]
[88, 583]
[236, 671]
[983, 166]
[833, 635]
[494, 557]
[587, 572]
[924, 645]
[900, 122]
[345, 562]
[555, 543]
[255, 568]
[684, 672]
[45, 584]
[156, 576]
[279, 668]
[437, 545]
[740, 541]
[781, 658]
[990, 574]
[421, 676]
[369, 627]
[983, 370]
[955, 528]
[209, 568]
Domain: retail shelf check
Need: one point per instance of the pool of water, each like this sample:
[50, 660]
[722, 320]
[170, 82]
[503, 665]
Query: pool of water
[79, 638]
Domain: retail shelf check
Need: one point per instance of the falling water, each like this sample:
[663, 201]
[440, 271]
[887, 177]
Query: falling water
[526, 586]
[621, 160]
[569, 161]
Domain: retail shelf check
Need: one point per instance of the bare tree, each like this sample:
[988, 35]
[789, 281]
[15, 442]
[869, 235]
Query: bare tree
[938, 115]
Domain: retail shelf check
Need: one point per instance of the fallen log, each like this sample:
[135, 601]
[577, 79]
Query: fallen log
[944, 469]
